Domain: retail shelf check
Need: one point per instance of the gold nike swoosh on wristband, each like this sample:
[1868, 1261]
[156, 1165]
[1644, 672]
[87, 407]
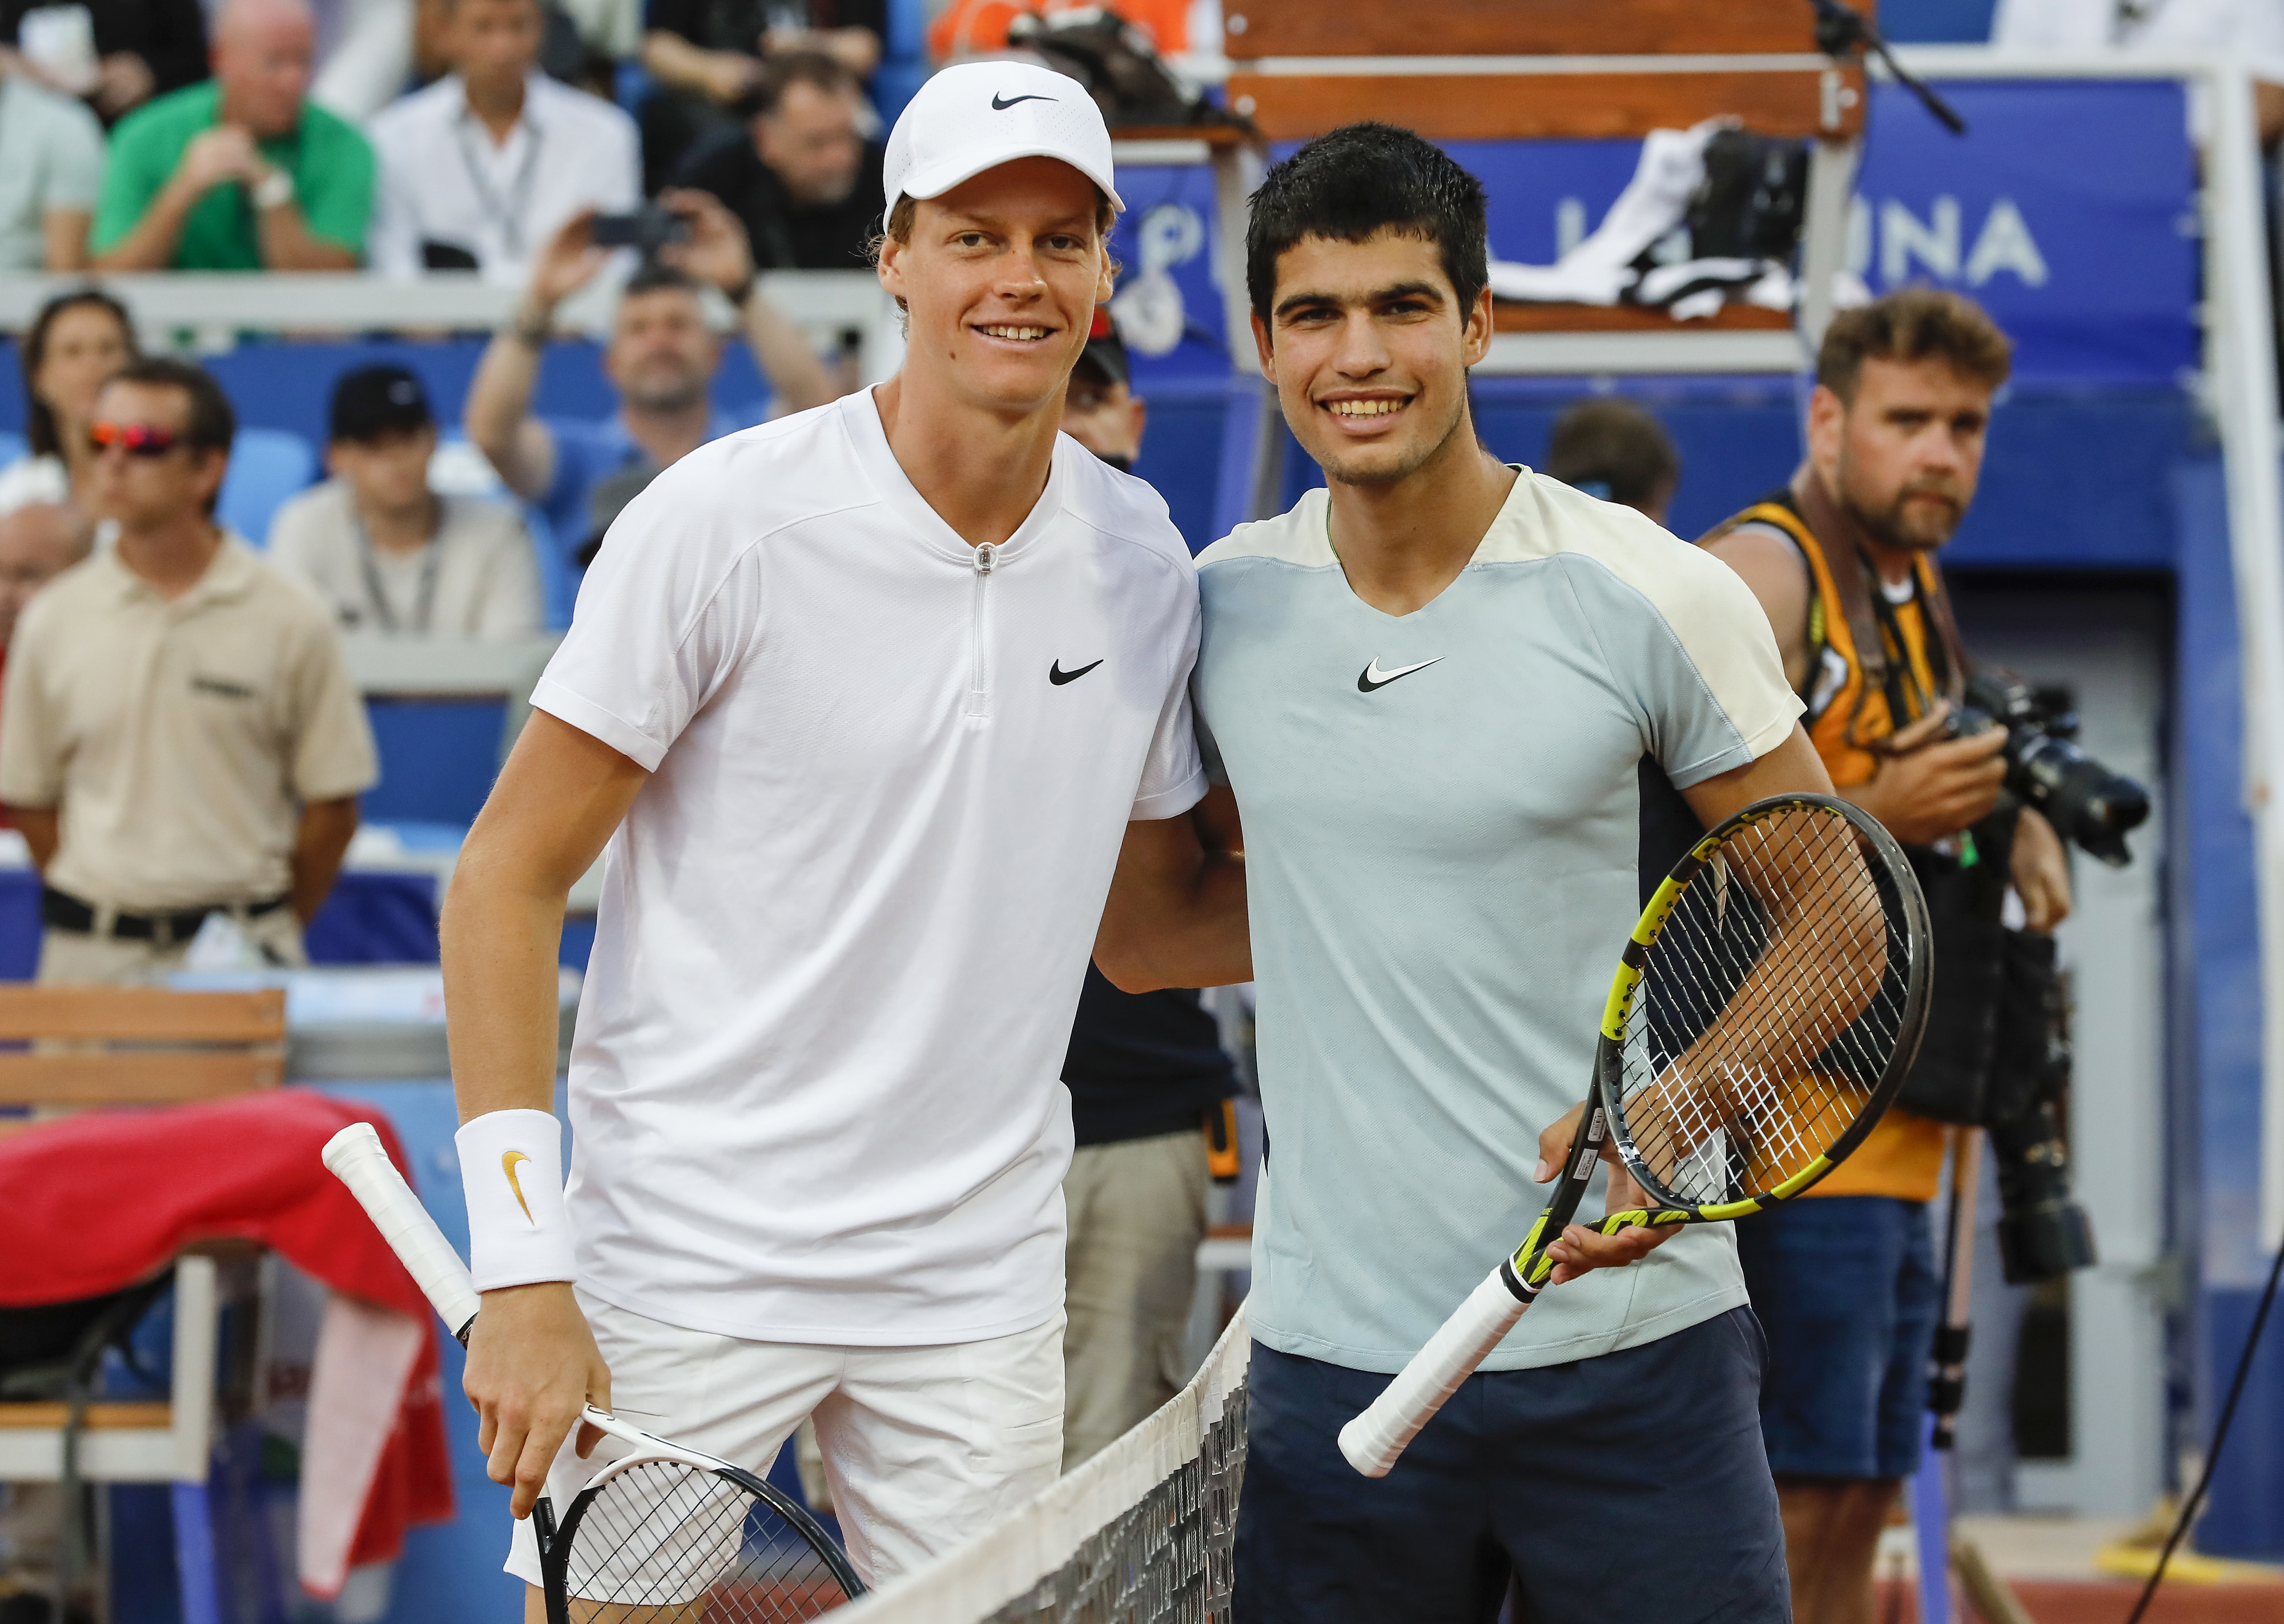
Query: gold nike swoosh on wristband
[507, 1166]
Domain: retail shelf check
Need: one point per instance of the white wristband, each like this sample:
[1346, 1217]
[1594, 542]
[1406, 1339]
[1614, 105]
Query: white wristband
[511, 1170]
[273, 189]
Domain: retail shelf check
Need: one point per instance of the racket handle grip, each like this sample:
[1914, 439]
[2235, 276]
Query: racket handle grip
[1375, 1440]
[354, 1155]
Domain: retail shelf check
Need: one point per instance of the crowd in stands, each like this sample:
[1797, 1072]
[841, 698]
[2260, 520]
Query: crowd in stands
[425, 135]
[415, 135]
[378, 542]
[226, 155]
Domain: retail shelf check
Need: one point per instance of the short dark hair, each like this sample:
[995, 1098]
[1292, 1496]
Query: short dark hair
[827, 74]
[212, 425]
[1359, 180]
[40, 430]
[1617, 445]
[1914, 323]
[650, 277]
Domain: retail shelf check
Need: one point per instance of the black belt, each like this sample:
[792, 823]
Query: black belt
[65, 912]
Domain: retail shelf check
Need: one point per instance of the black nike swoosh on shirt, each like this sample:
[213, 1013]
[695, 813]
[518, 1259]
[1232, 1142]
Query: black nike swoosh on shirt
[1372, 677]
[997, 106]
[1059, 677]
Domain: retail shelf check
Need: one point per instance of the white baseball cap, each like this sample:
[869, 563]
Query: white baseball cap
[978, 115]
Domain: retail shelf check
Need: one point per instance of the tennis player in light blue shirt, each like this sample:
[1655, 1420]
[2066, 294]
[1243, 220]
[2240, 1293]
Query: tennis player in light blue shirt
[1443, 693]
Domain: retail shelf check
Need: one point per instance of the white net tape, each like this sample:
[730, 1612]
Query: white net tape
[1144, 1531]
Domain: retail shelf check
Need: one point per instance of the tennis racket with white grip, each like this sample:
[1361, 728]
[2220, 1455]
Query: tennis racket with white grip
[1765, 1011]
[670, 1535]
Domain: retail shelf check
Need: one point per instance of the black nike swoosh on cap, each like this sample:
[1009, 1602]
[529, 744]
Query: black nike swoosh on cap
[998, 106]
[1059, 677]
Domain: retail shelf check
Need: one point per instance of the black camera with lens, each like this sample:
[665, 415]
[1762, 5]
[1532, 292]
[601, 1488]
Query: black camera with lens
[2085, 801]
[2043, 1233]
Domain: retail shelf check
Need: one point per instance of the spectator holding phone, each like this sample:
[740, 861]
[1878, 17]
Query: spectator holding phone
[481, 169]
[660, 360]
[242, 172]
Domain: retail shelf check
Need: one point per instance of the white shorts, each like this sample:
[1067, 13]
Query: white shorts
[925, 1448]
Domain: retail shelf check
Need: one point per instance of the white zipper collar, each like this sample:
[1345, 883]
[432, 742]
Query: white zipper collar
[870, 439]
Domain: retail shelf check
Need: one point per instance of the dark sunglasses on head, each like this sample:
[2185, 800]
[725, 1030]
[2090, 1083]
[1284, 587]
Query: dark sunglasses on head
[135, 439]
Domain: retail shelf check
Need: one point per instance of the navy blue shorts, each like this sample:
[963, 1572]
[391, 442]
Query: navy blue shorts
[1626, 1486]
[1847, 1287]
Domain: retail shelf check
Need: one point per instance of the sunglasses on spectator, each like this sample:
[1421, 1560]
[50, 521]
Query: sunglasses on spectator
[135, 439]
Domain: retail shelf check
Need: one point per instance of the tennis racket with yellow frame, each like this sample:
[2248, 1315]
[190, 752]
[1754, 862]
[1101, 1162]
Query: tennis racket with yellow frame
[1764, 1012]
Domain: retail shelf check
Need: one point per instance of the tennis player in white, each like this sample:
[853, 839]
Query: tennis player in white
[858, 706]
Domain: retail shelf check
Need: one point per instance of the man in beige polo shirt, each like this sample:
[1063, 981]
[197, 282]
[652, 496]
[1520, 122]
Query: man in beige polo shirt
[180, 735]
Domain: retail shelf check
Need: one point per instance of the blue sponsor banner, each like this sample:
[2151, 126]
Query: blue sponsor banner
[1168, 308]
[2069, 210]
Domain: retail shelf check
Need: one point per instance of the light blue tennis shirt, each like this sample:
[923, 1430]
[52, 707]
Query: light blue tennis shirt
[1442, 829]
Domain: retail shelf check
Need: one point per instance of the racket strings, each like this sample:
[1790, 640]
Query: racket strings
[663, 1542]
[1771, 1004]
[1821, 984]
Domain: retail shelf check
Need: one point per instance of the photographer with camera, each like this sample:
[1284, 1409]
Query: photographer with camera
[660, 360]
[1843, 561]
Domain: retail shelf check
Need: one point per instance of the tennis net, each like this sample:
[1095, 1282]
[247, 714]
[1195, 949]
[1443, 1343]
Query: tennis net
[1145, 1532]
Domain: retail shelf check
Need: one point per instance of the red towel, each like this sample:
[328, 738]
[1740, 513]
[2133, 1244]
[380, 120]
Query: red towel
[98, 1201]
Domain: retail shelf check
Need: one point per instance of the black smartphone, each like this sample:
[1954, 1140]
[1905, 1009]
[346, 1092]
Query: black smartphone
[647, 229]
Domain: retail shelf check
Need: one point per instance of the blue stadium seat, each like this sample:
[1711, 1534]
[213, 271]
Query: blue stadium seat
[12, 448]
[266, 465]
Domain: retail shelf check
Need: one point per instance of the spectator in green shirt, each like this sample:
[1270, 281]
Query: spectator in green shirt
[243, 172]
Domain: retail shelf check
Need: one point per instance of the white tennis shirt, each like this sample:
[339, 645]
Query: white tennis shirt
[814, 1087]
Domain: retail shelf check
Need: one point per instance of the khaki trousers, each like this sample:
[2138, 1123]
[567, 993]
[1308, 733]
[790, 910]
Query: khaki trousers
[69, 957]
[1137, 1211]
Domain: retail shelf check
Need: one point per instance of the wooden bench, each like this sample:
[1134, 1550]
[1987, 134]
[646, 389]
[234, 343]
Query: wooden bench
[137, 1045]
[1477, 70]
[90, 1047]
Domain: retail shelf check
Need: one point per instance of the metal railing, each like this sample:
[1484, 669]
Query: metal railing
[213, 311]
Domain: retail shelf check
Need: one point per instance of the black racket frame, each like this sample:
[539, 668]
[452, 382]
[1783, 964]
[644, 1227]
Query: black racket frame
[1527, 1271]
[555, 1541]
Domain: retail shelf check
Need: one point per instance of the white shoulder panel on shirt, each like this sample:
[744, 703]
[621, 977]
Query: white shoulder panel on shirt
[1299, 536]
[1705, 603]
